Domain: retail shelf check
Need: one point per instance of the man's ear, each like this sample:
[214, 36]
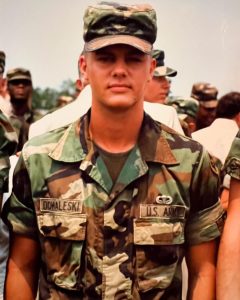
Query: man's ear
[83, 66]
[237, 119]
[152, 68]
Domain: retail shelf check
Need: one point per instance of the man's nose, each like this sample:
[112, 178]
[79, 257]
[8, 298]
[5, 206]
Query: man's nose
[120, 67]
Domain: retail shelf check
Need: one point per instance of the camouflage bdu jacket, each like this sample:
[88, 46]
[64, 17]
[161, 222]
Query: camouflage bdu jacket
[126, 240]
[232, 164]
[8, 145]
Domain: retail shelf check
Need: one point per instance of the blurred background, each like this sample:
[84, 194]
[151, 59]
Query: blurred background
[200, 39]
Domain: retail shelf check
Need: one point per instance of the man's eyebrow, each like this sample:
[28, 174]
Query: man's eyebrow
[103, 51]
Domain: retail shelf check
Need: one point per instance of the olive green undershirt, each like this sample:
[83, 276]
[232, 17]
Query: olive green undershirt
[113, 161]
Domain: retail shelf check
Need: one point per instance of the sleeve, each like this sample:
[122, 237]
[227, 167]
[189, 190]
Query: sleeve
[206, 218]
[8, 145]
[232, 163]
[18, 211]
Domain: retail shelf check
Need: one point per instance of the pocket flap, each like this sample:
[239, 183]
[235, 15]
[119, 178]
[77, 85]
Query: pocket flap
[152, 232]
[62, 226]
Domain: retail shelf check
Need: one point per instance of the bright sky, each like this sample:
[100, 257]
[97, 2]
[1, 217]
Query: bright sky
[200, 39]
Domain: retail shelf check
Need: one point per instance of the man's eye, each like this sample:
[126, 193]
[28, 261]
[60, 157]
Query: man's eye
[134, 58]
[104, 58]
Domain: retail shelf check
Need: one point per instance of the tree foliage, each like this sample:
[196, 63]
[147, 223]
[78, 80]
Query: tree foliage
[46, 98]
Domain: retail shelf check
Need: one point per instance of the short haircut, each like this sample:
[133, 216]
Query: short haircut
[228, 106]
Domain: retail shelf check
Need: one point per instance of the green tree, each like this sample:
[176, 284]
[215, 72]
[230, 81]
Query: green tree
[46, 98]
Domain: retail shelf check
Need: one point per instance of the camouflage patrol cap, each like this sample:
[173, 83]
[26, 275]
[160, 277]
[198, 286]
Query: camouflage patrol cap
[161, 69]
[64, 99]
[205, 93]
[19, 73]
[2, 61]
[109, 23]
[185, 107]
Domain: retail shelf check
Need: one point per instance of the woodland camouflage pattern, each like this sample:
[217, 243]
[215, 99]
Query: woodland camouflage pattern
[8, 144]
[121, 241]
[232, 164]
[110, 19]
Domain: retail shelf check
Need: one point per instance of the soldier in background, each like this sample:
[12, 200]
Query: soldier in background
[228, 275]
[218, 137]
[158, 87]
[108, 206]
[187, 109]
[8, 140]
[8, 145]
[206, 95]
[4, 96]
[156, 92]
[63, 100]
[19, 84]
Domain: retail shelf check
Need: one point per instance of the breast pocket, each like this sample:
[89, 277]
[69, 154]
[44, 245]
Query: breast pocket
[158, 243]
[62, 237]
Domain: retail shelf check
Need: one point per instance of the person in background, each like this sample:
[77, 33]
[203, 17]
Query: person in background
[156, 93]
[218, 137]
[158, 87]
[108, 206]
[19, 84]
[228, 276]
[64, 100]
[187, 109]
[4, 96]
[67, 114]
[206, 94]
[8, 145]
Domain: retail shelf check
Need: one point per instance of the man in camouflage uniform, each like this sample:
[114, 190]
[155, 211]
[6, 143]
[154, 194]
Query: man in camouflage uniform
[206, 94]
[228, 279]
[19, 82]
[8, 141]
[187, 109]
[107, 206]
[158, 88]
[4, 97]
[8, 144]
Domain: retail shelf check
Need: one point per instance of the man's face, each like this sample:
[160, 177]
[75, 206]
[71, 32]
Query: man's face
[118, 75]
[19, 90]
[157, 90]
[1, 83]
[205, 116]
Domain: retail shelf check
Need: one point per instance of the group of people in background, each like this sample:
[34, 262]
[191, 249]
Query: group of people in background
[148, 202]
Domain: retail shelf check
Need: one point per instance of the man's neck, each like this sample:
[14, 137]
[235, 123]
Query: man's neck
[20, 109]
[116, 131]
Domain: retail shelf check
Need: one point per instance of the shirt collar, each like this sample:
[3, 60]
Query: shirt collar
[153, 143]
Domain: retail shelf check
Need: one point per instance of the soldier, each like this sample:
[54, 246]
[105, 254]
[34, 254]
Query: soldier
[4, 97]
[229, 251]
[206, 94]
[157, 90]
[19, 83]
[158, 87]
[107, 206]
[8, 141]
[187, 109]
[218, 137]
[8, 144]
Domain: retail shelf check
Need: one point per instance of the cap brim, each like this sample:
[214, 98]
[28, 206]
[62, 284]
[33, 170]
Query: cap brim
[209, 103]
[19, 77]
[109, 40]
[164, 71]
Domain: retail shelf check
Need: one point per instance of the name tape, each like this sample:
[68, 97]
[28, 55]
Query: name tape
[162, 211]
